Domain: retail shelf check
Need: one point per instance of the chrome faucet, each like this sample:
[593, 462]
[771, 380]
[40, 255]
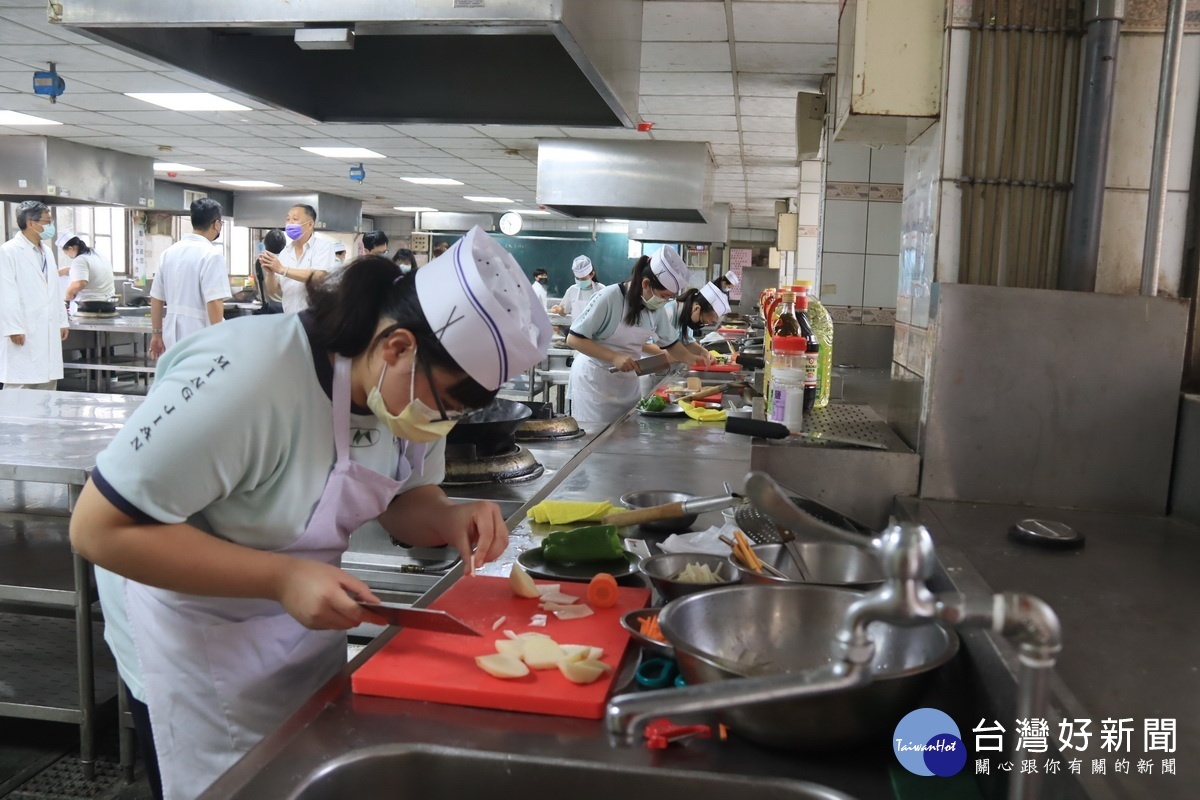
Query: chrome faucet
[126, 285]
[906, 554]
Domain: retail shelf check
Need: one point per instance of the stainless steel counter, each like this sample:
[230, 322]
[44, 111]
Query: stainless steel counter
[633, 453]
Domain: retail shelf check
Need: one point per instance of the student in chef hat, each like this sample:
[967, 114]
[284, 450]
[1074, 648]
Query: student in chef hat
[338, 417]
[694, 309]
[581, 292]
[727, 281]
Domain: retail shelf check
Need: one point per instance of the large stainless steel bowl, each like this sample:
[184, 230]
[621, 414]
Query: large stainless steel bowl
[658, 497]
[762, 630]
[662, 569]
[829, 564]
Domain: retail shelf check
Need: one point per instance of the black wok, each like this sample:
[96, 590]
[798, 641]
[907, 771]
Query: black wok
[491, 429]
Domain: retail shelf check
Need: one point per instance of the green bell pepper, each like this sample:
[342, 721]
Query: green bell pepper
[594, 543]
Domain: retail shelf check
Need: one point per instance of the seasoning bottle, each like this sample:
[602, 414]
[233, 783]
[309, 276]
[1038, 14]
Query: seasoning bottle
[786, 323]
[812, 386]
[787, 387]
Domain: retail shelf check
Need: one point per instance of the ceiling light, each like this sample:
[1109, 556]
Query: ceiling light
[171, 166]
[343, 152]
[434, 181]
[618, 221]
[479, 199]
[254, 184]
[17, 118]
[188, 101]
[531, 212]
[413, 209]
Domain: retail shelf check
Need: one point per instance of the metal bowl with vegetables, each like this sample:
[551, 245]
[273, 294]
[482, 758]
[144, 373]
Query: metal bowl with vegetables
[677, 575]
[655, 406]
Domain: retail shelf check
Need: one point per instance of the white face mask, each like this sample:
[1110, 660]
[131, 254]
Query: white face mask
[654, 302]
[417, 422]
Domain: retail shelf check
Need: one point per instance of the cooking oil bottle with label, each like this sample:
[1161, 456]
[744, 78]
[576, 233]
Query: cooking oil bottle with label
[822, 325]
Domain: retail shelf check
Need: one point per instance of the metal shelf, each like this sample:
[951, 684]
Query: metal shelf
[41, 679]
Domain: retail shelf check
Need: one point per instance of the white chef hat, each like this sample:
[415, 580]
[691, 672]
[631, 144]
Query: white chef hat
[732, 277]
[668, 266]
[581, 266]
[339, 246]
[483, 309]
[716, 298]
[63, 238]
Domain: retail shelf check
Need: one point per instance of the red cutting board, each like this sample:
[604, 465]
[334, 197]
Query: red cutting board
[717, 368]
[440, 667]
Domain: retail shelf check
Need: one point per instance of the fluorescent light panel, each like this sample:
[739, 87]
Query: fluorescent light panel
[433, 181]
[254, 184]
[343, 152]
[17, 118]
[171, 166]
[480, 199]
[414, 209]
[188, 101]
[530, 212]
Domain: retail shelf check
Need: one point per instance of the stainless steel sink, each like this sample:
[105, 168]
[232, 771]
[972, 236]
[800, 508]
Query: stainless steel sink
[432, 773]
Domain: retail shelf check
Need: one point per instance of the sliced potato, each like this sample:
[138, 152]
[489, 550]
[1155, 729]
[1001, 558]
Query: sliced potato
[581, 671]
[573, 612]
[510, 647]
[596, 654]
[548, 588]
[559, 598]
[576, 652]
[522, 585]
[501, 666]
[542, 653]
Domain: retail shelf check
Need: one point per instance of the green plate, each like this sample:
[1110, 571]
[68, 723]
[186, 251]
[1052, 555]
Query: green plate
[536, 565]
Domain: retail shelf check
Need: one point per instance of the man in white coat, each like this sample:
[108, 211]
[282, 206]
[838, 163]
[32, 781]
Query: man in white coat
[306, 257]
[192, 283]
[33, 317]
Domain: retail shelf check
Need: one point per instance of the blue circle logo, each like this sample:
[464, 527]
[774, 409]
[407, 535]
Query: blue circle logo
[927, 742]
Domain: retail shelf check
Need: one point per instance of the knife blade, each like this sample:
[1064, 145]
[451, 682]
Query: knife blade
[425, 619]
[647, 365]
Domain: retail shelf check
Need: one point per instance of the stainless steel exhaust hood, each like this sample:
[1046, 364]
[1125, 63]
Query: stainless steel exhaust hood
[515, 62]
[602, 178]
[715, 231]
[59, 172]
[268, 210]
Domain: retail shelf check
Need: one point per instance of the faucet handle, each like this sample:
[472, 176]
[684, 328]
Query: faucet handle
[905, 552]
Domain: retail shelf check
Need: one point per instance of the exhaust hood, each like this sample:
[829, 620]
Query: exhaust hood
[650, 180]
[715, 231]
[512, 62]
[268, 210]
[59, 173]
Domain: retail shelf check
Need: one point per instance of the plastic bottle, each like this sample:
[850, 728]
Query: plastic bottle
[787, 382]
[822, 325]
[811, 353]
[786, 322]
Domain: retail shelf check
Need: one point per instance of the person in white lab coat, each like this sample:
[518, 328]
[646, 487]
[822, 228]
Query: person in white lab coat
[612, 330]
[33, 317]
[540, 280]
[217, 536]
[90, 273]
[192, 282]
[583, 290]
[307, 257]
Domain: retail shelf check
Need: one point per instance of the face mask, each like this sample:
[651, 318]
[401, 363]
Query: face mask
[47, 233]
[417, 423]
[654, 302]
[584, 285]
[293, 231]
[405, 269]
[543, 281]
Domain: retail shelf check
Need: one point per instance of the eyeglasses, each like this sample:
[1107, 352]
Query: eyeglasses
[447, 415]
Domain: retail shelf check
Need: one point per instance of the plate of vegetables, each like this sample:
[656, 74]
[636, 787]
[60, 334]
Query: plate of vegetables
[580, 555]
[655, 406]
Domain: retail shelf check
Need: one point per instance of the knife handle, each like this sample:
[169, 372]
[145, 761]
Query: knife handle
[639, 515]
[756, 427]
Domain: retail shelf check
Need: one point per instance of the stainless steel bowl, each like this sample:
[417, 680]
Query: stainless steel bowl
[763, 630]
[658, 497]
[661, 569]
[631, 621]
[829, 564]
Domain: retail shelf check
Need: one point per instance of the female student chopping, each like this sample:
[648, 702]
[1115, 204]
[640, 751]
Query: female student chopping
[611, 331]
[218, 516]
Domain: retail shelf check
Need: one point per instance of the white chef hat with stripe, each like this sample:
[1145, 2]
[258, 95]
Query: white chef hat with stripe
[732, 277]
[483, 309]
[581, 267]
[716, 298]
[668, 266]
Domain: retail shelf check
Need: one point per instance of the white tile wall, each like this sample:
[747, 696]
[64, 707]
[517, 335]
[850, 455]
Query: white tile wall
[881, 277]
[806, 252]
[883, 229]
[887, 164]
[849, 162]
[842, 276]
[954, 115]
[808, 207]
[810, 171]
[845, 226]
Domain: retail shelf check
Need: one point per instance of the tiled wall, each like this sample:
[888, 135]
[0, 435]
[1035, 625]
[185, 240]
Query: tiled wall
[860, 243]
[808, 217]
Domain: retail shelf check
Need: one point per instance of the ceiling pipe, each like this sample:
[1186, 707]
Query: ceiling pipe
[1168, 82]
[1081, 250]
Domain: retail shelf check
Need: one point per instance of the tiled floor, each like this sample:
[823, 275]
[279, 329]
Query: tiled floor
[40, 761]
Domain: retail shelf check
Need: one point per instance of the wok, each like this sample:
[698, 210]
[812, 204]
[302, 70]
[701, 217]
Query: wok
[492, 429]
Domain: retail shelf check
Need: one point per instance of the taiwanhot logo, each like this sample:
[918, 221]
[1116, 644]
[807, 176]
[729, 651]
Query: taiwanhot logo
[928, 742]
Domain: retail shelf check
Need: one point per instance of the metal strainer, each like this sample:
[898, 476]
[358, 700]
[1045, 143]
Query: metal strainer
[759, 528]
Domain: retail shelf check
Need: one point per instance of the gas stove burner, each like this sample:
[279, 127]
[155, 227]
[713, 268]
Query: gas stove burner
[465, 468]
[552, 429]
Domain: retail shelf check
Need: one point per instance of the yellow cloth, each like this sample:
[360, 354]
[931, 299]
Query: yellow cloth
[702, 414]
[560, 512]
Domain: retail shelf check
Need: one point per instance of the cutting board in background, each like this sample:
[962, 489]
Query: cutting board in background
[422, 665]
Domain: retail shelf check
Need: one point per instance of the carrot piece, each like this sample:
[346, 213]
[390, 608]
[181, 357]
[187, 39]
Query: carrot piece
[648, 627]
[602, 591]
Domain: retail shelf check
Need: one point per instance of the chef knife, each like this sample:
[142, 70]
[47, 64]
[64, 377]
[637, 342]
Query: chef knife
[424, 619]
[646, 366]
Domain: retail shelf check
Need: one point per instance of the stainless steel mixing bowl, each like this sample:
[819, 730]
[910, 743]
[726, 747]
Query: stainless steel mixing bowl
[829, 564]
[658, 497]
[765, 630]
[662, 569]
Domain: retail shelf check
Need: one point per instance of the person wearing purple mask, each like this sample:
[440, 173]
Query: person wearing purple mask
[305, 258]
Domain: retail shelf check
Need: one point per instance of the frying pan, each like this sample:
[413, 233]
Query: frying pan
[492, 429]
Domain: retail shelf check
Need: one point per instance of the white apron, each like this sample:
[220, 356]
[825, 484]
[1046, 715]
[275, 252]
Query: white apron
[600, 396]
[181, 320]
[221, 673]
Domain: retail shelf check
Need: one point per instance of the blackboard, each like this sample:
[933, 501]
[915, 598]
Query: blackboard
[609, 254]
